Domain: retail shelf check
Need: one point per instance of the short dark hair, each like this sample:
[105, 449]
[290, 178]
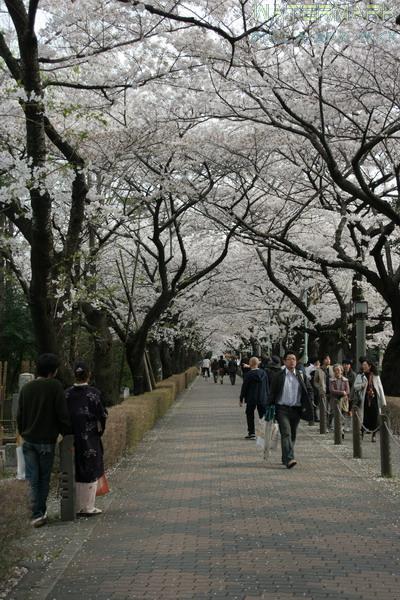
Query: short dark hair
[287, 354]
[81, 370]
[347, 361]
[323, 356]
[47, 364]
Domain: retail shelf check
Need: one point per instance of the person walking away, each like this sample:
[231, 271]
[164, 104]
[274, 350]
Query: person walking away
[88, 418]
[310, 374]
[292, 395]
[339, 390]
[205, 368]
[370, 397]
[214, 369]
[232, 369]
[221, 369]
[274, 367]
[321, 381]
[254, 393]
[244, 365]
[42, 415]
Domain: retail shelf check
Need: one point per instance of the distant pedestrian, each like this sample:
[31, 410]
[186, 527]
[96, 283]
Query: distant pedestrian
[42, 416]
[349, 373]
[221, 369]
[214, 369]
[370, 397]
[205, 368]
[244, 365]
[322, 376]
[88, 417]
[311, 369]
[232, 369]
[274, 367]
[254, 393]
[339, 390]
[292, 395]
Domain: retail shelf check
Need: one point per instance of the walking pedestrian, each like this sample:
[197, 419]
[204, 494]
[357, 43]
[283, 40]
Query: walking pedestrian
[274, 367]
[254, 393]
[88, 417]
[205, 368]
[42, 415]
[370, 397]
[349, 373]
[232, 369]
[339, 390]
[292, 395]
[221, 369]
[214, 369]
[321, 381]
[244, 365]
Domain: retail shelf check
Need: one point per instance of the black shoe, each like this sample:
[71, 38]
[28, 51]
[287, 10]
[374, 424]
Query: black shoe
[250, 436]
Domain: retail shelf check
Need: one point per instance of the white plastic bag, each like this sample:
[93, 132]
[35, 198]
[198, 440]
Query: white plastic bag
[20, 463]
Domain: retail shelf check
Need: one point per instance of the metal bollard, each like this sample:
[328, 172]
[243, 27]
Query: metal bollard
[337, 424]
[322, 415]
[386, 460]
[357, 452]
[67, 479]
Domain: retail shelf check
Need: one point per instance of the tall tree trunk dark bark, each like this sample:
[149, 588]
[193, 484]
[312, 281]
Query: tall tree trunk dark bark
[391, 361]
[166, 360]
[103, 364]
[155, 359]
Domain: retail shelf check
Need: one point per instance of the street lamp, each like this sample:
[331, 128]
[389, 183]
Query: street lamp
[360, 312]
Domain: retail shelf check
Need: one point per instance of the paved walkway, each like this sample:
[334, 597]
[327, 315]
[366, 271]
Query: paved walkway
[196, 514]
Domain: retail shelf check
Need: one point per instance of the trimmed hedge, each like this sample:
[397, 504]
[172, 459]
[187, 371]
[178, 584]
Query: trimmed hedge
[128, 422]
[394, 413]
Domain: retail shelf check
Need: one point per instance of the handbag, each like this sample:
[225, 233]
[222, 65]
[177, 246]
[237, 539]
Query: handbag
[344, 404]
[102, 486]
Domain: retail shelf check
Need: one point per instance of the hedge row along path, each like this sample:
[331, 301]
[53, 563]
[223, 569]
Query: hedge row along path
[196, 514]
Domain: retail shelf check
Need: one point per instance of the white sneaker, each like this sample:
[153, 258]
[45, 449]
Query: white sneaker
[39, 521]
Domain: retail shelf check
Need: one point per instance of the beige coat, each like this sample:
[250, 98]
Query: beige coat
[320, 380]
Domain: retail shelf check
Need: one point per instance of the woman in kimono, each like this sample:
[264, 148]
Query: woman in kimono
[370, 397]
[88, 418]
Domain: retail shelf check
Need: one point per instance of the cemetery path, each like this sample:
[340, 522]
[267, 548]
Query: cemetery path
[196, 514]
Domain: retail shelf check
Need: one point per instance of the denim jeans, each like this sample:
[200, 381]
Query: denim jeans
[39, 460]
[288, 418]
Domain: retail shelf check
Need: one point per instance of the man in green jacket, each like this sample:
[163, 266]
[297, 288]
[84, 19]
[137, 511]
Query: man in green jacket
[42, 416]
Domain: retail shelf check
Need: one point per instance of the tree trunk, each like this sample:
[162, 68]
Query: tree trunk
[166, 360]
[135, 347]
[155, 359]
[103, 365]
[390, 364]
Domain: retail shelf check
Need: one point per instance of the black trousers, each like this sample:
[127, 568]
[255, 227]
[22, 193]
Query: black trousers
[288, 418]
[250, 408]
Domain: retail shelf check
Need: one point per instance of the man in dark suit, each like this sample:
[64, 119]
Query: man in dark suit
[292, 395]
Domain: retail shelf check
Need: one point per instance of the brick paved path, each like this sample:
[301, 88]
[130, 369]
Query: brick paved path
[197, 514]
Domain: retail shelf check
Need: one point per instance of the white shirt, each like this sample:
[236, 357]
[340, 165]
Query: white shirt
[291, 394]
[206, 363]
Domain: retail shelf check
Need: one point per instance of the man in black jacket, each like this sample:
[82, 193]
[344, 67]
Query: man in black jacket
[254, 393]
[292, 395]
[42, 415]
